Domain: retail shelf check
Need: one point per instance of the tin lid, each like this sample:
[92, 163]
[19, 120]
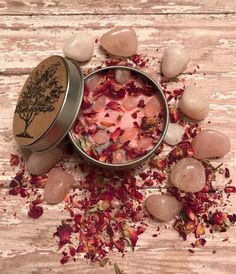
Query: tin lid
[48, 104]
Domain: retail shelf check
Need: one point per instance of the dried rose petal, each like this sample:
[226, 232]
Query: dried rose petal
[230, 189]
[114, 106]
[15, 160]
[35, 211]
[64, 232]
[115, 134]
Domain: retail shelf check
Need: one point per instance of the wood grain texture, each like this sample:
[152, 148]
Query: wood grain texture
[33, 30]
[21, 36]
[116, 7]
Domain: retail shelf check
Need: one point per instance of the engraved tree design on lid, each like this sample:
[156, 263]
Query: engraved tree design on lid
[39, 96]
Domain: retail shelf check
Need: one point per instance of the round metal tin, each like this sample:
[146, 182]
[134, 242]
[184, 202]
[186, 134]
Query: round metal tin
[142, 159]
[48, 104]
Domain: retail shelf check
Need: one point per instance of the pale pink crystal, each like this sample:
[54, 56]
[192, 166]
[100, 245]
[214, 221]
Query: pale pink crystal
[119, 157]
[93, 81]
[210, 143]
[128, 135]
[57, 186]
[122, 76]
[174, 61]
[130, 102]
[100, 137]
[194, 103]
[80, 47]
[39, 163]
[163, 207]
[120, 41]
[188, 175]
[99, 104]
[174, 134]
[152, 107]
[145, 142]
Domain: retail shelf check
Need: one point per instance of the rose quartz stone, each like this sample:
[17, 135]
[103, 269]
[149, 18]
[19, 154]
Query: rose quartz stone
[128, 135]
[194, 103]
[120, 41]
[163, 207]
[122, 76]
[210, 143]
[39, 163]
[80, 47]
[188, 175]
[99, 104]
[152, 107]
[100, 137]
[57, 186]
[93, 81]
[174, 134]
[130, 102]
[174, 61]
[119, 157]
[145, 142]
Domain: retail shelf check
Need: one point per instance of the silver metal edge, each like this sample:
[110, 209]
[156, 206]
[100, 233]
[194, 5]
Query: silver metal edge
[151, 152]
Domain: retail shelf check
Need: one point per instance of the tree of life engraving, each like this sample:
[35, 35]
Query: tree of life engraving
[39, 96]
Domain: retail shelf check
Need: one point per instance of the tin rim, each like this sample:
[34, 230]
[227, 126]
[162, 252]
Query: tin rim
[152, 151]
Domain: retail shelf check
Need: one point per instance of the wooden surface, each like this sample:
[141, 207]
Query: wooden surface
[33, 30]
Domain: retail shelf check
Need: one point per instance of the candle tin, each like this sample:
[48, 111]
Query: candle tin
[50, 101]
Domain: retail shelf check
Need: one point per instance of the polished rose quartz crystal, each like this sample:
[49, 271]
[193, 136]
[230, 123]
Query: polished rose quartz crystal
[122, 76]
[57, 186]
[188, 175]
[99, 103]
[100, 137]
[119, 157]
[174, 61]
[130, 102]
[39, 163]
[210, 143]
[163, 207]
[120, 41]
[194, 103]
[80, 47]
[174, 134]
[128, 135]
[152, 107]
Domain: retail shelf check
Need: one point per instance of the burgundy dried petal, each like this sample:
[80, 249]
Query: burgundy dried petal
[85, 103]
[35, 211]
[64, 259]
[115, 134]
[14, 160]
[218, 218]
[108, 89]
[132, 89]
[176, 94]
[38, 181]
[230, 189]
[138, 60]
[120, 245]
[141, 103]
[23, 192]
[64, 232]
[14, 191]
[114, 106]
[227, 173]
[86, 90]
[143, 175]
